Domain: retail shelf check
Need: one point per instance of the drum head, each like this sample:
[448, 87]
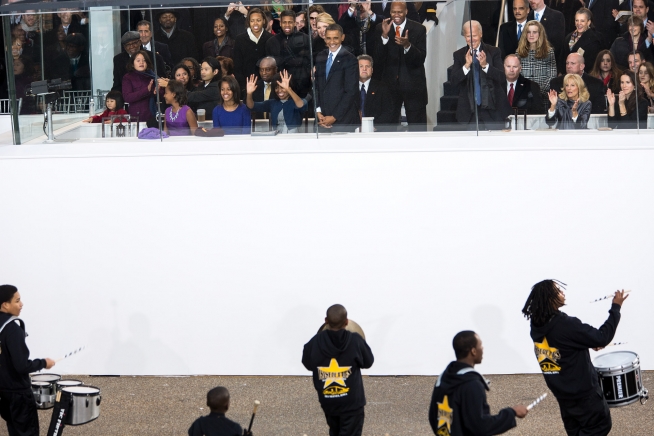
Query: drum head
[351, 327]
[46, 377]
[81, 390]
[63, 383]
[615, 359]
[41, 384]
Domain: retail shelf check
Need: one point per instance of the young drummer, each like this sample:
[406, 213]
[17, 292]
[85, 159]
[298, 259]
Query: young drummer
[561, 344]
[216, 423]
[17, 405]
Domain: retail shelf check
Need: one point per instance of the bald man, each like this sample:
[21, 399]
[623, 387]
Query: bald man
[574, 64]
[336, 357]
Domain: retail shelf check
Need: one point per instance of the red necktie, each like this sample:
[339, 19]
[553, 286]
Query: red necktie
[397, 31]
[511, 94]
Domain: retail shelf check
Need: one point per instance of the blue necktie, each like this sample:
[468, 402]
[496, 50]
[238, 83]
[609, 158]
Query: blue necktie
[363, 100]
[537, 17]
[519, 31]
[329, 64]
[477, 72]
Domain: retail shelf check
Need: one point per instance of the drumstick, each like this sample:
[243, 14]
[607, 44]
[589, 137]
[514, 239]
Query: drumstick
[607, 297]
[254, 412]
[69, 354]
[536, 401]
[616, 343]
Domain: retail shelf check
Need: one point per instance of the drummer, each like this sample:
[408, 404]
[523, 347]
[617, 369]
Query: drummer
[17, 404]
[561, 344]
[336, 356]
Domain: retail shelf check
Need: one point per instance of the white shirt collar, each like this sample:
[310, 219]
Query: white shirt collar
[539, 12]
[148, 46]
[523, 22]
[401, 26]
[335, 53]
[508, 86]
[365, 84]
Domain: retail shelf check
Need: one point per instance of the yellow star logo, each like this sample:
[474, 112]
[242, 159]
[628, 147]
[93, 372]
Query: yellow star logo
[445, 414]
[334, 373]
[544, 351]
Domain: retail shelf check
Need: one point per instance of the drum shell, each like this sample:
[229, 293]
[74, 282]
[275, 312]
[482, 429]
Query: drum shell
[44, 394]
[622, 383]
[84, 407]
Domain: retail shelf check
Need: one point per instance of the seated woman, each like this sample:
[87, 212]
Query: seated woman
[629, 109]
[570, 109]
[180, 119]
[114, 105]
[194, 68]
[286, 107]
[222, 44]
[207, 97]
[607, 70]
[584, 37]
[139, 87]
[537, 57]
[646, 79]
[231, 115]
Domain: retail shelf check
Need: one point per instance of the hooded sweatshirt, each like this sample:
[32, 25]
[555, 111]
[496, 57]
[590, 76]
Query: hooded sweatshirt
[15, 366]
[561, 347]
[459, 408]
[336, 357]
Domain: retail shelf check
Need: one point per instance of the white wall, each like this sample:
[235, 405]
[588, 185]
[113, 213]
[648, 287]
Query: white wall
[225, 263]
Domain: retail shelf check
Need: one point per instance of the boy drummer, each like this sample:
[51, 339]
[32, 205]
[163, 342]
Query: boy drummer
[17, 405]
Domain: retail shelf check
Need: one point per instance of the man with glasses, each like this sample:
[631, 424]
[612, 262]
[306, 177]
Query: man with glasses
[131, 42]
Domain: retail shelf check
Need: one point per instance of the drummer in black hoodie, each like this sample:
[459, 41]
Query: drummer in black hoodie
[336, 357]
[561, 344]
[458, 404]
[17, 404]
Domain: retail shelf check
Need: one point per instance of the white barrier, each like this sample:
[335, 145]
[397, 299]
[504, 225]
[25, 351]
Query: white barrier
[221, 256]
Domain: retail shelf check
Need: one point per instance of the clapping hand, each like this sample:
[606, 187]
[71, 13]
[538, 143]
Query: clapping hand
[285, 84]
[468, 59]
[150, 85]
[574, 109]
[610, 96]
[481, 56]
[621, 97]
[251, 84]
[553, 98]
[404, 40]
[366, 9]
[386, 27]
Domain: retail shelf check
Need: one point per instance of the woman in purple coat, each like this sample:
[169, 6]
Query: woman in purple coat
[139, 89]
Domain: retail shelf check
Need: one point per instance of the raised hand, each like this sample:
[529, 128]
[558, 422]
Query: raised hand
[620, 297]
[481, 56]
[285, 84]
[610, 96]
[251, 84]
[386, 27]
[553, 98]
[468, 58]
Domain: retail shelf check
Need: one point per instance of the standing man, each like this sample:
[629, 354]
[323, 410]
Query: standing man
[181, 43]
[554, 23]
[561, 344]
[458, 403]
[144, 28]
[17, 405]
[336, 357]
[511, 31]
[482, 90]
[374, 97]
[400, 50]
[336, 84]
[520, 92]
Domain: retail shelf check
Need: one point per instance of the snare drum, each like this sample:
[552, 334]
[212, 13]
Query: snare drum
[620, 378]
[84, 403]
[44, 388]
[66, 383]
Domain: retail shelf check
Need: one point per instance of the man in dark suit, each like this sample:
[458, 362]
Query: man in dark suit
[511, 31]
[478, 72]
[144, 28]
[521, 93]
[265, 87]
[375, 99]
[180, 42]
[574, 64]
[359, 23]
[383, 9]
[336, 81]
[131, 42]
[401, 49]
[603, 19]
[552, 20]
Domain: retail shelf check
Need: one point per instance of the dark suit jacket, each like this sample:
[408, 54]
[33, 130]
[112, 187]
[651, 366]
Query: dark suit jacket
[379, 104]
[527, 96]
[404, 73]
[509, 38]
[351, 28]
[120, 68]
[595, 89]
[554, 24]
[590, 42]
[603, 20]
[336, 95]
[162, 50]
[181, 44]
[495, 79]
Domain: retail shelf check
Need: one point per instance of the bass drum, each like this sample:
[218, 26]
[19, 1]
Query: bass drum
[351, 327]
[620, 378]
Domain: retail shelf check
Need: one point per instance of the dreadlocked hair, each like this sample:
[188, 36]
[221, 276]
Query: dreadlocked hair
[543, 302]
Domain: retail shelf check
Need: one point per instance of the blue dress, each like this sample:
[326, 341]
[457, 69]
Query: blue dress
[237, 122]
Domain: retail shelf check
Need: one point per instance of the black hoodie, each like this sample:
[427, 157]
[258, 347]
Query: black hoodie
[15, 366]
[561, 347]
[336, 358]
[459, 408]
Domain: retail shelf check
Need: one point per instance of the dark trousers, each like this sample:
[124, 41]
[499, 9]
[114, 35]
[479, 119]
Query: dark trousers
[415, 117]
[19, 410]
[488, 120]
[588, 416]
[346, 424]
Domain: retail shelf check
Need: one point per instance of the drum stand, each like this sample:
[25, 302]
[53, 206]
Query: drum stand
[62, 407]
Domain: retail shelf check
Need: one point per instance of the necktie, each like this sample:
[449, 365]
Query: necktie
[537, 17]
[330, 59]
[363, 100]
[266, 91]
[511, 94]
[477, 78]
[519, 31]
[397, 31]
